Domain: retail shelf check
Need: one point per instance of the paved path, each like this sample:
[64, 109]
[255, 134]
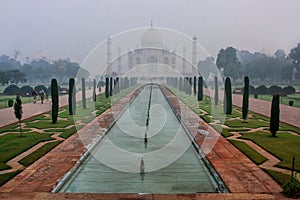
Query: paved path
[288, 114]
[36, 181]
[7, 116]
[271, 160]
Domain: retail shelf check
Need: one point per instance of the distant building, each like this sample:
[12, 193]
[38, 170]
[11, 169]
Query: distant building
[152, 50]
[41, 55]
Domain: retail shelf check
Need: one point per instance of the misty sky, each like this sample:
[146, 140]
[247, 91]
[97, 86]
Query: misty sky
[71, 28]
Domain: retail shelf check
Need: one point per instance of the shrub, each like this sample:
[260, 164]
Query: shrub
[289, 90]
[41, 87]
[200, 88]
[26, 90]
[274, 120]
[274, 89]
[291, 103]
[94, 91]
[18, 111]
[245, 98]
[195, 85]
[251, 89]
[216, 91]
[10, 102]
[261, 90]
[101, 84]
[107, 87]
[227, 97]
[292, 188]
[72, 97]
[55, 100]
[83, 93]
[11, 90]
[111, 86]
[180, 84]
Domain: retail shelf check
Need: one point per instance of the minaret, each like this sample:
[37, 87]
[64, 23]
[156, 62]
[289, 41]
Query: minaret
[108, 55]
[183, 59]
[194, 53]
[119, 60]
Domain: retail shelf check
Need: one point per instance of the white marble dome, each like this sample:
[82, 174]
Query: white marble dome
[152, 38]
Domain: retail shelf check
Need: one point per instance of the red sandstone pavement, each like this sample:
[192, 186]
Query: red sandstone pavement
[243, 178]
[288, 114]
[7, 116]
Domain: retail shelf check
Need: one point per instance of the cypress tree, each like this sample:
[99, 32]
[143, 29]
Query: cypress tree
[72, 96]
[245, 98]
[195, 85]
[227, 97]
[55, 100]
[200, 88]
[275, 111]
[94, 91]
[117, 85]
[190, 85]
[180, 84]
[107, 87]
[18, 111]
[111, 86]
[83, 94]
[216, 91]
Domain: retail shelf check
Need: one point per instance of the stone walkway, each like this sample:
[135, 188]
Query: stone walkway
[288, 114]
[271, 160]
[37, 109]
[238, 172]
[14, 163]
[243, 178]
[30, 110]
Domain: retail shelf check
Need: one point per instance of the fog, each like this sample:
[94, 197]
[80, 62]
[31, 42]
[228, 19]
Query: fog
[71, 28]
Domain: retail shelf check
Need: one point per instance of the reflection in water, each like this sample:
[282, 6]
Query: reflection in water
[142, 167]
[145, 137]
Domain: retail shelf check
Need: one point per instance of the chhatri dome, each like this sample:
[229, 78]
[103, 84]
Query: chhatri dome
[152, 38]
[151, 50]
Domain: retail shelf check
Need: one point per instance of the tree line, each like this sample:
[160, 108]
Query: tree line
[259, 67]
[39, 71]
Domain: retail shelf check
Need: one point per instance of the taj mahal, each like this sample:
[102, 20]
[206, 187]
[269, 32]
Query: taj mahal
[152, 53]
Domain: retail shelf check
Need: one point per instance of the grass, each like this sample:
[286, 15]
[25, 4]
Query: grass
[224, 131]
[4, 100]
[283, 100]
[249, 152]
[68, 132]
[250, 123]
[11, 145]
[6, 177]
[284, 146]
[280, 178]
[31, 158]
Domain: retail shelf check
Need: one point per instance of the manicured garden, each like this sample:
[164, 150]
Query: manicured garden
[283, 100]
[284, 146]
[41, 129]
[11, 144]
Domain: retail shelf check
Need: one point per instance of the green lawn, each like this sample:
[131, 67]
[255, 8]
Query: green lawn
[12, 145]
[248, 151]
[31, 158]
[6, 177]
[250, 123]
[284, 146]
[283, 100]
[4, 100]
